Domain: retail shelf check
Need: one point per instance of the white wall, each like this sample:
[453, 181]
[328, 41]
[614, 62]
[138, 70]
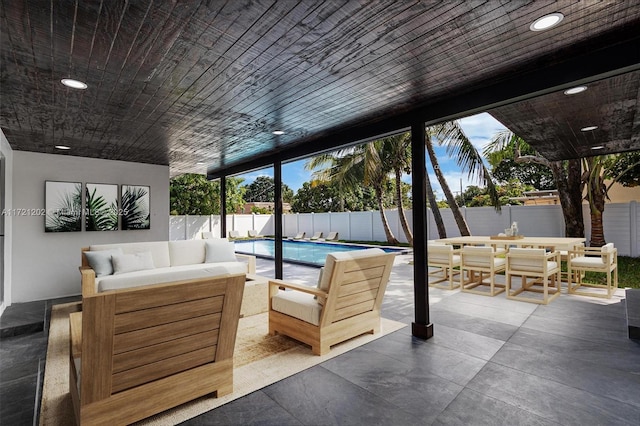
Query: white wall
[7, 152]
[621, 224]
[45, 265]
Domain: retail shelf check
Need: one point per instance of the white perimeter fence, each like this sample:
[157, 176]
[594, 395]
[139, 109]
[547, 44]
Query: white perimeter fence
[621, 224]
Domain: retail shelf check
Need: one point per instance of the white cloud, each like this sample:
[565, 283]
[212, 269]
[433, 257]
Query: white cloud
[480, 128]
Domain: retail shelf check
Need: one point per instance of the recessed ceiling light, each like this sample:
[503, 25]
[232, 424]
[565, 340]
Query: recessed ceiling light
[200, 163]
[574, 90]
[62, 147]
[588, 128]
[547, 21]
[278, 132]
[74, 84]
[597, 147]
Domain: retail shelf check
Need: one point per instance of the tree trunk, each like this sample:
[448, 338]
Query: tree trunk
[401, 215]
[457, 214]
[596, 206]
[391, 239]
[442, 231]
[569, 191]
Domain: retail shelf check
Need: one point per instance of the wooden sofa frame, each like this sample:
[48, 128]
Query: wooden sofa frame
[146, 349]
[352, 305]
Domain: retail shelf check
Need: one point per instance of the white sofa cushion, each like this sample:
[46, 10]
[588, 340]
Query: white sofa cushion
[167, 275]
[187, 252]
[299, 305]
[325, 279]
[219, 250]
[159, 250]
[100, 260]
[123, 263]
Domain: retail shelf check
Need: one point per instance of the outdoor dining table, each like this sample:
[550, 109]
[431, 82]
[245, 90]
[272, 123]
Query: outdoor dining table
[536, 242]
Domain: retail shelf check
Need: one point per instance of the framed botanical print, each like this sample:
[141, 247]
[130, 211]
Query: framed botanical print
[101, 207]
[135, 207]
[63, 206]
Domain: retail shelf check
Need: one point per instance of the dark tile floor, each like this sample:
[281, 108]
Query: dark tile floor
[491, 361]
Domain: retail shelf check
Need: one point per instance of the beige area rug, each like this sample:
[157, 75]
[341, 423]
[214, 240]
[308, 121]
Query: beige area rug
[260, 360]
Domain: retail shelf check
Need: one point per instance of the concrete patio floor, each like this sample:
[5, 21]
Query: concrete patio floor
[492, 361]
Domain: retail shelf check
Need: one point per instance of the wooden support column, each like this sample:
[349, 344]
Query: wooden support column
[277, 219]
[223, 207]
[422, 326]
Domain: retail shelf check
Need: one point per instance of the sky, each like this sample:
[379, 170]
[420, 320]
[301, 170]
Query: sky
[479, 129]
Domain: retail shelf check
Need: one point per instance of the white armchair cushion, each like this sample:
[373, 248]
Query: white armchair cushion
[481, 257]
[123, 263]
[439, 254]
[299, 305]
[587, 262]
[533, 263]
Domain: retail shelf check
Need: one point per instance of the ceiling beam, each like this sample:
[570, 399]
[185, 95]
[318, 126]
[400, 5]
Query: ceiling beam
[613, 53]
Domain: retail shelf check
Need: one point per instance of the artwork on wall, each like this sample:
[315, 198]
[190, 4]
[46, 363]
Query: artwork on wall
[135, 207]
[63, 206]
[101, 207]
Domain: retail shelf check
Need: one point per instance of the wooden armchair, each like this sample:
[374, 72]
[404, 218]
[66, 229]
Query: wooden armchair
[593, 259]
[139, 351]
[446, 258]
[482, 260]
[345, 304]
[536, 263]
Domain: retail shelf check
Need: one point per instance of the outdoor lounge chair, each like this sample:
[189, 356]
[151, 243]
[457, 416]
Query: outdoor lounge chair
[316, 236]
[299, 236]
[333, 236]
[538, 264]
[345, 304]
[234, 234]
[254, 234]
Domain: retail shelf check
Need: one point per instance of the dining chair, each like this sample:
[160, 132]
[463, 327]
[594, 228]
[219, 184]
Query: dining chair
[446, 259]
[593, 259]
[533, 263]
[482, 260]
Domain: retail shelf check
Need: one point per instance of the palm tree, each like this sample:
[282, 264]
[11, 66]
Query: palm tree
[351, 167]
[467, 157]
[594, 173]
[396, 156]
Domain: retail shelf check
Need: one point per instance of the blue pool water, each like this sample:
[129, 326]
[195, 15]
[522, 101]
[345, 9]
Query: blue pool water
[306, 252]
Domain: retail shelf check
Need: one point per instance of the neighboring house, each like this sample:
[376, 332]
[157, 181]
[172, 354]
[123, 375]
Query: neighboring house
[617, 194]
[269, 206]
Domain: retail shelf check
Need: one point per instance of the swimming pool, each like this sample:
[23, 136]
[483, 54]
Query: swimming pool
[304, 252]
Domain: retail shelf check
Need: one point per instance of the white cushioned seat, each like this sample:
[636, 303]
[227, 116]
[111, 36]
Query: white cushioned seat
[168, 274]
[297, 304]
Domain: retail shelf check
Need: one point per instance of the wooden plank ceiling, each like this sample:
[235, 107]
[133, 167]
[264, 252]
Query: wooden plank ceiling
[187, 82]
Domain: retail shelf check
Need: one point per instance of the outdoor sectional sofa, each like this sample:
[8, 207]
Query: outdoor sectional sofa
[157, 331]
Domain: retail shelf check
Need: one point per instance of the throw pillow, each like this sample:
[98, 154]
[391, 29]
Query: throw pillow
[132, 262]
[100, 261]
[219, 250]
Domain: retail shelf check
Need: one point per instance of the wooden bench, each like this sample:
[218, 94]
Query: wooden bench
[137, 352]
